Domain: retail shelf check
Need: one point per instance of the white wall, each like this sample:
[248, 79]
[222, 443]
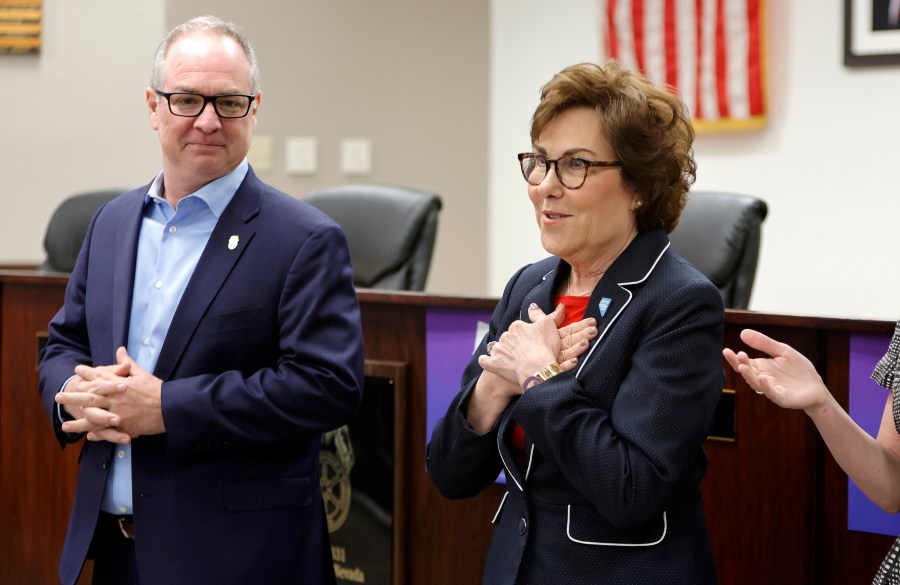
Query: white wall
[825, 161]
[74, 118]
[410, 76]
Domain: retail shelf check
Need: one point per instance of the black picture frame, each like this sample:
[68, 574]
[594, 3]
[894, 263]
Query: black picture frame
[869, 38]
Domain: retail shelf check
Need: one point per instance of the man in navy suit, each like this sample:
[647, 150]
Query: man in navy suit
[210, 334]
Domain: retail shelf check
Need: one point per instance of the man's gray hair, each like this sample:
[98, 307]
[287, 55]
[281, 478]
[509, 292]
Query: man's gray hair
[203, 24]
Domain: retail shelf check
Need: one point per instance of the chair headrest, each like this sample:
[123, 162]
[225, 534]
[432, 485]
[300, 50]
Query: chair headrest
[713, 230]
[384, 226]
[68, 226]
[719, 233]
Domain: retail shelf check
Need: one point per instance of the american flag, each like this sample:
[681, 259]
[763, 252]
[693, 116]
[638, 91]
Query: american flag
[710, 52]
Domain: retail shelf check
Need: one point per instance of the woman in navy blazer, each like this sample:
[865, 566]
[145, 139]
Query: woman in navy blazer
[595, 386]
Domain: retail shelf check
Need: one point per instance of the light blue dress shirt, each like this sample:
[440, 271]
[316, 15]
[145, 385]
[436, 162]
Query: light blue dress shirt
[169, 247]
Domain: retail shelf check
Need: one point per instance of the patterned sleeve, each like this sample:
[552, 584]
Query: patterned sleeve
[886, 370]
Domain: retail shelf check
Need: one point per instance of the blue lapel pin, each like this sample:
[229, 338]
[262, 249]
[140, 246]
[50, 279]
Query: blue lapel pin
[604, 304]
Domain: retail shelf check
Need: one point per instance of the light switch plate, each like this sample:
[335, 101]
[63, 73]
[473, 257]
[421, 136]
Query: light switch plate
[301, 156]
[356, 156]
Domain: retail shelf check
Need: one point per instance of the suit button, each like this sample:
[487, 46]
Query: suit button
[523, 526]
[105, 463]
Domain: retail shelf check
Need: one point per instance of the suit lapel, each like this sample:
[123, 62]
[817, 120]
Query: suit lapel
[613, 293]
[542, 294]
[229, 239]
[126, 242]
[513, 472]
[632, 266]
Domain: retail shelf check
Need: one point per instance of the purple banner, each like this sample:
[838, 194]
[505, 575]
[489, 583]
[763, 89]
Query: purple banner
[867, 401]
[451, 336]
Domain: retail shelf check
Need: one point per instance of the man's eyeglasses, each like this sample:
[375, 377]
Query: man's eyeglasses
[570, 170]
[191, 105]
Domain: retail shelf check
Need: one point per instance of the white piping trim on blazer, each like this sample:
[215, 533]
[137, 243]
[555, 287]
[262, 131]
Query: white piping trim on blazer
[505, 466]
[509, 474]
[530, 459]
[569, 534]
[622, 285]
[500, 507]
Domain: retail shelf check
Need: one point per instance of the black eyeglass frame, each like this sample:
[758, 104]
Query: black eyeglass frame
[555, 162]
[207, 99]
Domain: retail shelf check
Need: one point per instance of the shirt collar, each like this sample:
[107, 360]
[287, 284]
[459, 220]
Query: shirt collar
[217, 194]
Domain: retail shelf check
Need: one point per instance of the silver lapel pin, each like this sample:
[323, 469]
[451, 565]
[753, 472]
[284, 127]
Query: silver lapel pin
[233, 242]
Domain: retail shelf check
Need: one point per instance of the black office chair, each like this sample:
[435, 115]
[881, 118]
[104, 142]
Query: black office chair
[67, 227]
[720, 234]
[390, 230]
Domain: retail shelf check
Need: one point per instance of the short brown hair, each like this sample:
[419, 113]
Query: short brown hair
[648, 128]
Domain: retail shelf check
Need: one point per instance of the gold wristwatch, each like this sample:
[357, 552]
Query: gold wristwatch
[542, 375]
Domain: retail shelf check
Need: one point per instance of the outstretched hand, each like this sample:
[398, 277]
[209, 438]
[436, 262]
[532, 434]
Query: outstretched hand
[787, 377]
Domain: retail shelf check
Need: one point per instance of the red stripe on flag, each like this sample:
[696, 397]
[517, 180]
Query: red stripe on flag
[670, 30]
[637, 25]
[721, 61]
[698, 105]
[754, 59]
[612, 38]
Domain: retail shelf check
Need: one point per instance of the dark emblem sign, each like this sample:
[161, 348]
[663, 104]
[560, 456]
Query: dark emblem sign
[358, 488]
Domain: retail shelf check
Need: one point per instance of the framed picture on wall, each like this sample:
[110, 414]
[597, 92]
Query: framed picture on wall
[871, 32]
[20, 26]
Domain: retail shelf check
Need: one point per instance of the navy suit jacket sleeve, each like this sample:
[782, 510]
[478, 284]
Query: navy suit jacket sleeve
[58, 361]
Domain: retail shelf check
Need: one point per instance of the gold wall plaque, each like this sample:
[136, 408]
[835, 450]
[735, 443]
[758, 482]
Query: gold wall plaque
[20, 26]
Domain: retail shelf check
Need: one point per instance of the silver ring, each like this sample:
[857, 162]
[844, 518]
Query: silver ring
[490, 346]
[759, 391]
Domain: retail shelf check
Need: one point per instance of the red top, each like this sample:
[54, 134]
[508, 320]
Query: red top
[575, 308]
